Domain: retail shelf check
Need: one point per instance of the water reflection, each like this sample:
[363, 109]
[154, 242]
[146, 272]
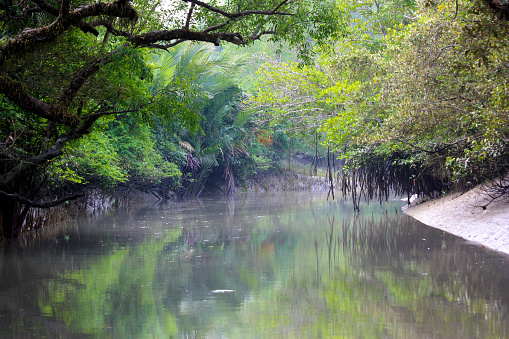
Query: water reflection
[280, 265]
[419, 282]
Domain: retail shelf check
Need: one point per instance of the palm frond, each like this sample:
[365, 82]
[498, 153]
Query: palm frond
[208, 161]
[187, 146]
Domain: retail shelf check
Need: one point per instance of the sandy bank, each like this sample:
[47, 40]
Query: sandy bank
[460, 215]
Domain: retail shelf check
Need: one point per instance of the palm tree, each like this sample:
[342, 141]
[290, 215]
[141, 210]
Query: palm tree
[209, 72]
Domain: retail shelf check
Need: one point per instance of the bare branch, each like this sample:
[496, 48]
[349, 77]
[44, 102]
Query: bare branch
[256, 36]
[146, 39]
[109, 27]
[216, 27]
[280, 5]
[189, 15]
[239, 14]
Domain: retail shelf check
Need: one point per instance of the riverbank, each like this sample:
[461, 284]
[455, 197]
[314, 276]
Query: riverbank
[461, 214]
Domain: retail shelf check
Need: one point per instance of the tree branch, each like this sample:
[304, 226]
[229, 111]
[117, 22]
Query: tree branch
[82, 76]
[189, 15]
[55, 150]
[48, 8]
[240, 14]
[17, 93]
[25, 40]
[281, 4]
[216, 27]
[146, 39]
[64, 8]
[48, 204]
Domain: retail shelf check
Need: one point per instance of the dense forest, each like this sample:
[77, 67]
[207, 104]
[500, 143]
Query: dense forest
[168, 97]
[413, 96]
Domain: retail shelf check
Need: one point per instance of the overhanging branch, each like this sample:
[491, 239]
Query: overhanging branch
[82, 76]
[17, 92]
[147, 39]
[35, 204]
[240, 14]
[28, 38]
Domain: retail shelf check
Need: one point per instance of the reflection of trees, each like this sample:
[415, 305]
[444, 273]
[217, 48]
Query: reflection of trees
[141, 277]
[410, 249]
[112, 297]
[386, 276]
[20, 287]
[422, 276]
[239, 257]
[283, 270]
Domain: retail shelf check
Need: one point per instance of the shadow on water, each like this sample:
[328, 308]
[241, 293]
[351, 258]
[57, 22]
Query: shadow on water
[281, 265]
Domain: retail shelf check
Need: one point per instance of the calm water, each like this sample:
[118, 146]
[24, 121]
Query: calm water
[265, 266]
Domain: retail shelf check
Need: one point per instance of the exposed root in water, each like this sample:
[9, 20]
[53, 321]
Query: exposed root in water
[377, 176]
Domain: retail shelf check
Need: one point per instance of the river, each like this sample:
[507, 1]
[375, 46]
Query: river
[275, 265]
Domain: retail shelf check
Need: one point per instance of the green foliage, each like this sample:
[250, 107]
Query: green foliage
[444, 89]
[19, 132]
[138, 153]
[219, 140]
[187, 77]
[122, 150]
[299, 96]
[426, 82]
[96, 155]
[338, 95]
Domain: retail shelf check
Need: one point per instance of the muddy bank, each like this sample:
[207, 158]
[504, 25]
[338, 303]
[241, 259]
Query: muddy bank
[462, 214]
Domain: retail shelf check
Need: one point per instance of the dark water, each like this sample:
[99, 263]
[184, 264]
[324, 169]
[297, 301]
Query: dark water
[265, 266]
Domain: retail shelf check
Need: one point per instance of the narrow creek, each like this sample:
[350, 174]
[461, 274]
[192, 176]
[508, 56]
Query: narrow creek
[287, 265]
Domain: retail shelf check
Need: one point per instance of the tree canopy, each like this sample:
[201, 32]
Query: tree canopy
[66, 67]
[413, 95]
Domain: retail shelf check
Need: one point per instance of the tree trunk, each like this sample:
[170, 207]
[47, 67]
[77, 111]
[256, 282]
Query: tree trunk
[9, 218]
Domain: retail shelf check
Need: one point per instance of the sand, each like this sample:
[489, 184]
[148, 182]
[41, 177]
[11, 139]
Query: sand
[461, 215]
